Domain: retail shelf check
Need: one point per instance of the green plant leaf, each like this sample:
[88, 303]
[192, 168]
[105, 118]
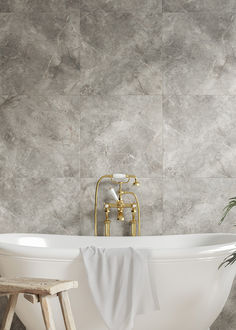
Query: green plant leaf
[230, 260]
[227, 208]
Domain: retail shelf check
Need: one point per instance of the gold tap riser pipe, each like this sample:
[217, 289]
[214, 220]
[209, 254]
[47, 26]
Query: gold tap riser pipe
[107, 228]
[133, 228]
[137, 202]
[96, 203]
[133, 222]
[107, 222]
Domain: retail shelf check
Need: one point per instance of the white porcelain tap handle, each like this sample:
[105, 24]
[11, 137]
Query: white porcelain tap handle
[119, 176]
[113, 194]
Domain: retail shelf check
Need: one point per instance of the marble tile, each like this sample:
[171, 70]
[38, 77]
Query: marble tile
[121, 134]
[38, 52]
[227, 320]
[39, 137]
[38, 6]
[199, 5]
[120, 50]
[150, 197]
[39, 206]
[199, 53]
[199, 136]
[196, 205]
[137, 6]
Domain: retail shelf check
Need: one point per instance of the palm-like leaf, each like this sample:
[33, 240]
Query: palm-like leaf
[232, 257]
[231, 204]
[230, 260]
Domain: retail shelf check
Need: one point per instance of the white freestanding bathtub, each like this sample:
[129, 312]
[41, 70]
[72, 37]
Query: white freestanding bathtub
[184, 269]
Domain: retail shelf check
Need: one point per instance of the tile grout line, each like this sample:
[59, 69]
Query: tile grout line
[116, 95]
[79, 202]
[162, 109]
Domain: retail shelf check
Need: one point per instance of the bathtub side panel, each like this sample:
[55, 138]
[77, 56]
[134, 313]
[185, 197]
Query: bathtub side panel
[191, 293]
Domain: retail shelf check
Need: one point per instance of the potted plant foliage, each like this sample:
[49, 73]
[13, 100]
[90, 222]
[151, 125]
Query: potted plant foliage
[231, 258]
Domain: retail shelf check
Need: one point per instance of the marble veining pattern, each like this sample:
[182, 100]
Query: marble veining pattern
[106, 122]
[199, 5]
[92, 87]
[39, 52]
[119, 55]
[42, 6]
[199, 53]
[194, 200]
[40, 205]
[39, 137]
[200, 139]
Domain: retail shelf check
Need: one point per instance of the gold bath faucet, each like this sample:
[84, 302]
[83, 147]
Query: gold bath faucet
[119, 203]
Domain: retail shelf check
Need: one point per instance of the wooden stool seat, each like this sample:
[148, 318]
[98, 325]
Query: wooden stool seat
[38, 290]
[35, 285]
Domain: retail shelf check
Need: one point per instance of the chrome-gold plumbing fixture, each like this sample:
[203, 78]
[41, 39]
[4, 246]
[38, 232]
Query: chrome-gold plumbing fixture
[119, 203]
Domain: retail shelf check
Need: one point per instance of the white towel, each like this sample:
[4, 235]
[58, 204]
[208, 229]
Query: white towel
[120, 284]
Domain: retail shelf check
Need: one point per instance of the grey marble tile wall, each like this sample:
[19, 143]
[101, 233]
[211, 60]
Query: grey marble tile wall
[92, 87]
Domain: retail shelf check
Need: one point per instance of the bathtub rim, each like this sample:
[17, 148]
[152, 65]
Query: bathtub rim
[69, 254]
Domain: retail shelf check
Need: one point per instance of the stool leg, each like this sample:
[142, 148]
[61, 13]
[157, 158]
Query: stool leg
[9, 313]
[66, 310]
[47, 313]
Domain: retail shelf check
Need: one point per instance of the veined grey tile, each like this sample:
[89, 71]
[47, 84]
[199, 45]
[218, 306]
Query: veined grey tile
[149, 194]
[39, 205]
[227, 320]
[199, 136]
[199, 5]
[37, 6]
[198, 53]
[38, 52]
[121, 134]
[120, 52]
[39, 137]
[151, 206]
[137, 6]
[196, 205]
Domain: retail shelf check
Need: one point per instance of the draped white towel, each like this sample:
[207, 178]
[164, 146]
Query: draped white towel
[120, 284]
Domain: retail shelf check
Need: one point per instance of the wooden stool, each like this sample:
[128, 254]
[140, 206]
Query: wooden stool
[38, 290]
